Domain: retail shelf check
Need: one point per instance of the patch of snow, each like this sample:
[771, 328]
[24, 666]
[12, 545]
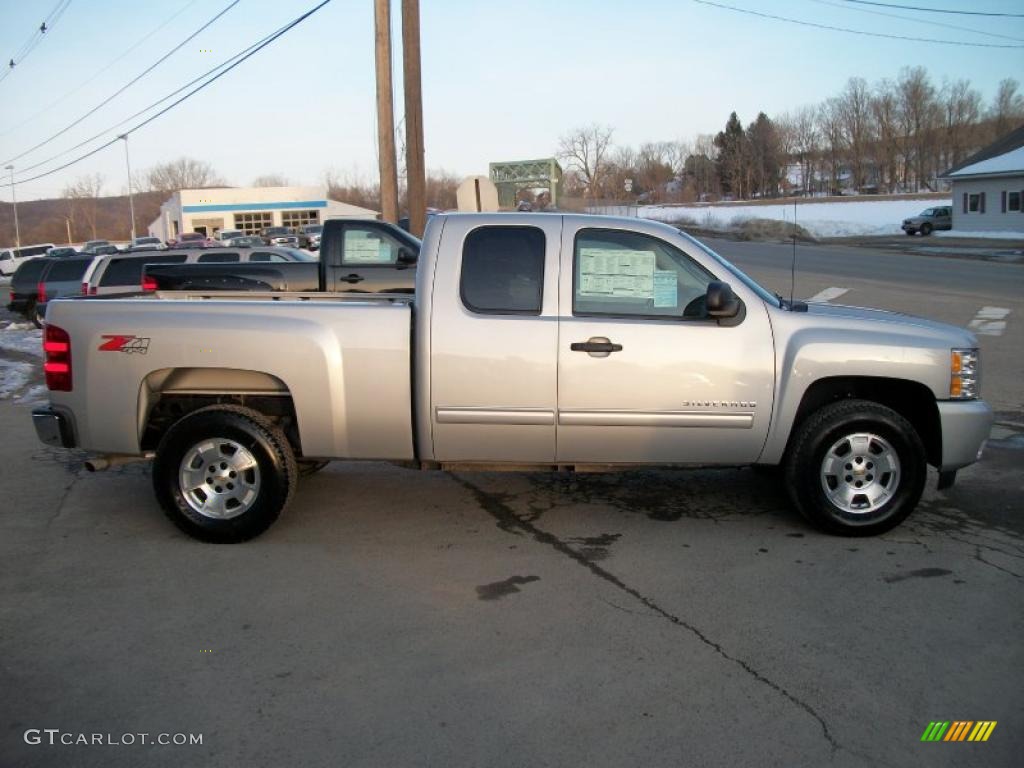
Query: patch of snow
[36, 395]
[981, 234]
[29, 342]
[836, 219]
[14, 377]
[1008, 162]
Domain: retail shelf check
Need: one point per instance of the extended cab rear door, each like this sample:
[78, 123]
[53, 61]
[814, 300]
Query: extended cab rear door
[494, 339]
[644, 376]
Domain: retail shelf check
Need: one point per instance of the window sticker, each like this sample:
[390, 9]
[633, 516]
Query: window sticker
[666, 288]
[616, 273]
[364, 248]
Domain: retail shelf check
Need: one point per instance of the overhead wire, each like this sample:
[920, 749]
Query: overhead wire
[36, 38]
[251, 51]
[123, 88]
[853, 31]
[79, 87]
[957, 27]
[937, 10]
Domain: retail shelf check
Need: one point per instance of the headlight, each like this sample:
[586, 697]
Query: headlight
[964, 370]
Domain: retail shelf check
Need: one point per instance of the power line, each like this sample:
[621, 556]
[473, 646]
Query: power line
[75, 90]
[36, 37]
[936, 10]
[254, 50]
[123, 88]
[145, 109]
[956, 27]
[853, 31]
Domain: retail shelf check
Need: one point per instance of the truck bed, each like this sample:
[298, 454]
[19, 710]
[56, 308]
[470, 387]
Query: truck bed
[314, 348]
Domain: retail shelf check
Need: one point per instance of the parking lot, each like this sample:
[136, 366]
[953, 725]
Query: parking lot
[395, 617]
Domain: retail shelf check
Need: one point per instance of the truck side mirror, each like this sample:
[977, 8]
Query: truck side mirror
[720, 301]
[407, 256]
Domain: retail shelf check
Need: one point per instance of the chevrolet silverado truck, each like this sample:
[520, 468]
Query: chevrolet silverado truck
[358, 256]
[533, 341]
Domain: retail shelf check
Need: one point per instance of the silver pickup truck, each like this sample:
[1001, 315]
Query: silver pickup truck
[533, 341]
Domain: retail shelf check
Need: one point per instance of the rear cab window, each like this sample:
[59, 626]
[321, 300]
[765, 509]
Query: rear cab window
[128, 271]
[503, 270]
[65, 270]
[221, 258]
[628, 274]
[29, 272]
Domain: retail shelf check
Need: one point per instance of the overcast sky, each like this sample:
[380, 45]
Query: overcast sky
[501, 80]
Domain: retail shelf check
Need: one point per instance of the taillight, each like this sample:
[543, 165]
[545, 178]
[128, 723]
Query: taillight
[41, 292]
[57, 363]
[85, 289]
[149, 283]
[92, 290]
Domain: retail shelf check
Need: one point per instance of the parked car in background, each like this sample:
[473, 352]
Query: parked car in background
[929, 220]
[357, 256]
[91, 245]
[25, 286]
[193, 240]
[122, 273]
[283, 236]
[309, 236]
[61, 251]
[60, 278]
[243, 241]
[147, 244]
[11, 258]
[103, 250]
[224, 235]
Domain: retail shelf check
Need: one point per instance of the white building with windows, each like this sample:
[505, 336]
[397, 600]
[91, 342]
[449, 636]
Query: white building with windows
[250, 209]
[988, 187]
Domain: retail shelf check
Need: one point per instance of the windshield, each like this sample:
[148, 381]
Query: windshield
[300, 255]
[146, 240]
[748, 281]
[313, 229]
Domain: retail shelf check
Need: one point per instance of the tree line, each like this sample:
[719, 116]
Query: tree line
[890, 137]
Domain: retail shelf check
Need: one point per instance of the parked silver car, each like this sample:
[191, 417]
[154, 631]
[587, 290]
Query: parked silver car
[928, 220]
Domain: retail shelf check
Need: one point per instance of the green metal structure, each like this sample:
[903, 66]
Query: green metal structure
[513, 175]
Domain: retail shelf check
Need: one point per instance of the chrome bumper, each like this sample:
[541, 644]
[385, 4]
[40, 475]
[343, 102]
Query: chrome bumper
[53, 427]
[965, 428]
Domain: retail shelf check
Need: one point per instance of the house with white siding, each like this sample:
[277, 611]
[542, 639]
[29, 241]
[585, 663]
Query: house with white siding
[988, 187]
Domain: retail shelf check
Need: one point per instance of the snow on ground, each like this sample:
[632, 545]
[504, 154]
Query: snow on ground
[28, 340]
[982, 235]
[14, 378]
[836, 219]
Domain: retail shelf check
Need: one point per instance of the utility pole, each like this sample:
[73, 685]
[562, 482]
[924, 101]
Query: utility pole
[386, 156]
[14, 197]
[67, 223]
[131, 199]
[416, 182]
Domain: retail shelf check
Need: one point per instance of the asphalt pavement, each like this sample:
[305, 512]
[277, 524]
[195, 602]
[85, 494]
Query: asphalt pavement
[656, 618]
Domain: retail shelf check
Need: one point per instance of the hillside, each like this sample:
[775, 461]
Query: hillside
[45, 221]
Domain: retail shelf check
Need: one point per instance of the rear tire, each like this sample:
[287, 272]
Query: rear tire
[926, 229]
[856, 468]
[224, 474]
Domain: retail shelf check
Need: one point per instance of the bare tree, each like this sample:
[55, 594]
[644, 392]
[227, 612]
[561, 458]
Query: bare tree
[854, 113]
[585, 151]
[831, 131]
[802, 142]
[270, 180]
[887, 145]
[82, 199]
[183, 173]
[1007, 111]
[961, 111]
[919, 114]
[351, 187]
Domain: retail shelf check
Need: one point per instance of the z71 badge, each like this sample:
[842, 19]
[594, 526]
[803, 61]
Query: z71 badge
[127, 344]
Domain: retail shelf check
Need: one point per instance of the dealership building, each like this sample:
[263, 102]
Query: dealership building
[250, 209]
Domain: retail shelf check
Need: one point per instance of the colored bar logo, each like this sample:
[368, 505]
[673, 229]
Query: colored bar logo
[958, 730]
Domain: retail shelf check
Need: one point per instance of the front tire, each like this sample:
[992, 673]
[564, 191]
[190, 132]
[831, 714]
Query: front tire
[224, 473]
[856, 468]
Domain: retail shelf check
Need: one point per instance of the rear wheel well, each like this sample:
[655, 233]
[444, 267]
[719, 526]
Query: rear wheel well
[911, 399]
[169, 408]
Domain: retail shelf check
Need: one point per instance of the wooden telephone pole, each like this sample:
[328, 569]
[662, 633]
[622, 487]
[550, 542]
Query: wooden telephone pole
[386, 155]
[416, 182]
